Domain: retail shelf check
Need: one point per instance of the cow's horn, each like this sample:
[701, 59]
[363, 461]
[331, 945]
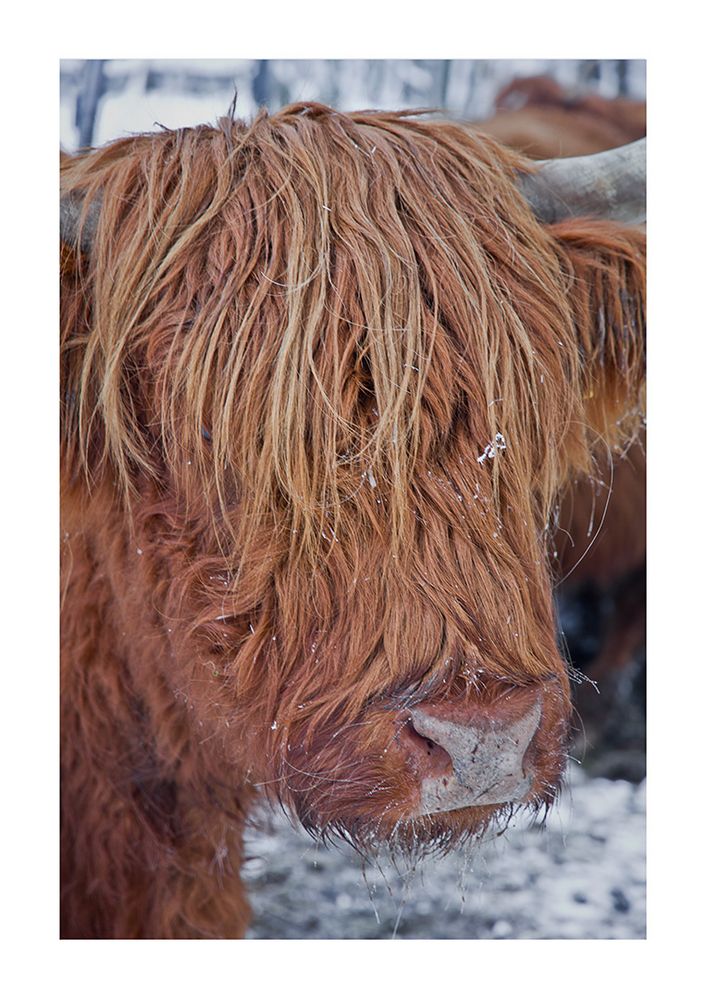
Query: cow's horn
[76, 227]
[609, 185]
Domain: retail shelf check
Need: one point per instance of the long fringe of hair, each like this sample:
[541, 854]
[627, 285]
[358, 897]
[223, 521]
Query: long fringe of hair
[300, 325]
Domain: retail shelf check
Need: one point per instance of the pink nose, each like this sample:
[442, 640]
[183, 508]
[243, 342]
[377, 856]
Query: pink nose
[473, 756]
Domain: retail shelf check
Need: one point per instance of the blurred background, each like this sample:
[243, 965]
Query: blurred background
[103, 99]
[582, 875]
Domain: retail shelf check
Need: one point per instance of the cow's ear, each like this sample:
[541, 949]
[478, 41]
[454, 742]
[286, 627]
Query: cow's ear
[604, 263]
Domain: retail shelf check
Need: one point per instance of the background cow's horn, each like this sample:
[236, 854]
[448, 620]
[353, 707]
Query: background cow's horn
[609, 185]
[73, 230]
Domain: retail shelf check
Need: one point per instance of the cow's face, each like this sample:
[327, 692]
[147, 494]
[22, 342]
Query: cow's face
[345, 373]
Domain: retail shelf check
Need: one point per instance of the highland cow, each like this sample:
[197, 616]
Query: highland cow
[324, 379]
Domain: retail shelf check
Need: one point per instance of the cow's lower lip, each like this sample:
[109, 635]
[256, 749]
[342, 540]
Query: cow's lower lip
[446, 794]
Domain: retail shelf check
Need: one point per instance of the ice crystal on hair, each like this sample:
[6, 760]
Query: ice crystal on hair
[492, 449]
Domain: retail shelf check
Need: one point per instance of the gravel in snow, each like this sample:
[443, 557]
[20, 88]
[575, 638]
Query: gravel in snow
[580, 876]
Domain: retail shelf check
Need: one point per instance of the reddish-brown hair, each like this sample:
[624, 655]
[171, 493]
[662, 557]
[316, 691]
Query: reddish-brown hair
[324, 378]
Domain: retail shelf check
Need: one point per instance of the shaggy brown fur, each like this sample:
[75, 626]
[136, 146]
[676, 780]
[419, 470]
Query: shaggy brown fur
[536, 115]
[324, 377]
[601, 546]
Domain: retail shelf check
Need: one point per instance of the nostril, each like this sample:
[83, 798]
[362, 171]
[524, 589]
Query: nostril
[427, 756]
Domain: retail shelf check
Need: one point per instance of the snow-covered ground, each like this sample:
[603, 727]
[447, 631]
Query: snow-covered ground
[581, 876]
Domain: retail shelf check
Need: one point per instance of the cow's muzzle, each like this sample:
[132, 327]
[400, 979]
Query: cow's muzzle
[474, 756]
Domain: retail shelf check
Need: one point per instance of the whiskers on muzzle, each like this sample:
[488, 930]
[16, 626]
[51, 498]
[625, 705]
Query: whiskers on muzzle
[418, 777]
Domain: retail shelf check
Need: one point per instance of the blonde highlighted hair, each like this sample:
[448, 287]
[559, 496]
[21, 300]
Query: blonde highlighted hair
[278, 314]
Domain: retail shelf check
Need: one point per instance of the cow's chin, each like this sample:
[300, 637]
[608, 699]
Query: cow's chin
[395, 825]
[445, 831]
[428, 835]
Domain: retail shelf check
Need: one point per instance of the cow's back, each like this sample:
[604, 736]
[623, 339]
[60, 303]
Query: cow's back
[539, 118]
